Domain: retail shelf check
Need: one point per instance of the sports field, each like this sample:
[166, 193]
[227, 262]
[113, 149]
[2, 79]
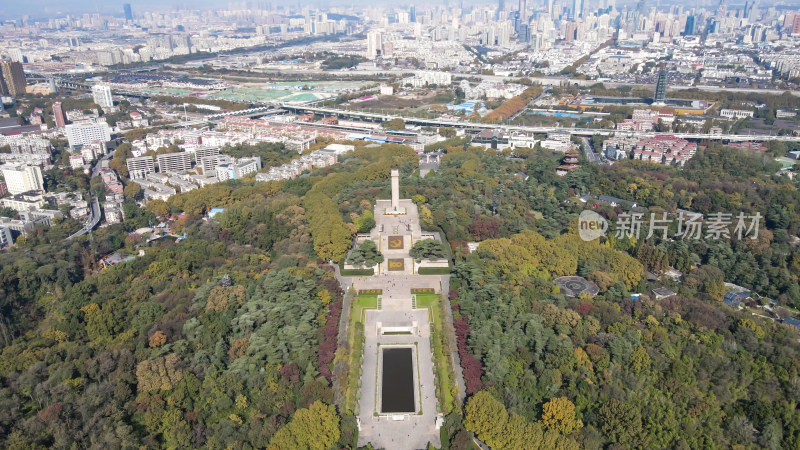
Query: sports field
[288, 91]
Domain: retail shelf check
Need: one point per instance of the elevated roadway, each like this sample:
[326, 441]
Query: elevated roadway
[528, 129]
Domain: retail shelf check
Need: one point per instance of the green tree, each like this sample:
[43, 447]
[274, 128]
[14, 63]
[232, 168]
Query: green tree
[365, 222]
[158, 207]
[395, 124]
[132, 191]
[427, 249]
[366, 254]
[620, 422]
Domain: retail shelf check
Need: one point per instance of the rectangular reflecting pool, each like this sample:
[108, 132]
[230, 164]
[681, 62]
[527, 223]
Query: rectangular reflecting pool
[397, 387]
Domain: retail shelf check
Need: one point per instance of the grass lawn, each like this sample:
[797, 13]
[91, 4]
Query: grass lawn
[362, 303]
[443, 371]
[355, 331]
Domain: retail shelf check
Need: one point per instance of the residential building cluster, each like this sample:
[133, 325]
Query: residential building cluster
[178, 172]
[644, 120]
[319, 158]
[424, 78]
[661, 149]
[490, 90]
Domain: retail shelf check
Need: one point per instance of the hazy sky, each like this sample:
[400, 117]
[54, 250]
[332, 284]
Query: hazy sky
[13, 9]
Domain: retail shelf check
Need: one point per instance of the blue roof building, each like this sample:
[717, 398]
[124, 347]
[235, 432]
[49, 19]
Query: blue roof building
[793, 322]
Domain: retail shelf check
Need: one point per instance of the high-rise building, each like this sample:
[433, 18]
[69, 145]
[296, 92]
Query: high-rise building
[501, 6]
[51, 84]
[524, 32]
[661, 87]
[577, 8]
[412, 14]
[16, 55]
[21, 179]
[58, 113]
[796, 24]
[14, 78]
[523, 10]
[86, 133]
[689, 28]
[374, 44]
[140, 167]
[102, 96]
[128, 12]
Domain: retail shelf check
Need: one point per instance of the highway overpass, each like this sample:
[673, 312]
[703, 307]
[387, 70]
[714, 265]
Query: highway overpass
[526, 129]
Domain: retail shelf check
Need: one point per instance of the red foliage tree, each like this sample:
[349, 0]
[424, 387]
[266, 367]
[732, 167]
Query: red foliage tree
[329, 342]
[471, 366]
[291, 373]
[485, 228]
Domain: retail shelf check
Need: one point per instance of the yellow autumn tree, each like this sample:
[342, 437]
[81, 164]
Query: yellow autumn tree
[157, 339]
[559, 415]
[313, 428]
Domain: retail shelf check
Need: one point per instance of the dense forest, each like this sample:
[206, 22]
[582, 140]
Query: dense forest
[227, 339]
[547, 371]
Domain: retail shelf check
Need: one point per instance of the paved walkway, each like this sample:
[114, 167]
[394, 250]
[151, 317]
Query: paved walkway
[398, 431]
[395, 234]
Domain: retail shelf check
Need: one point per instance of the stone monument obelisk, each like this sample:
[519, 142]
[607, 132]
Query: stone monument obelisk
[395, 189]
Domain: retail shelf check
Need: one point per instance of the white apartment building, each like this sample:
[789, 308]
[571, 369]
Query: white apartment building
[102, 96]
[174, 162]
[90, 152]
[21, 179]
[139, 168]
[88, 132]
[24, 202]
[423, 78]
[202, 152]
[733, 114]
[242, 167]
[76, 161]
[31, 145]
[210, 163]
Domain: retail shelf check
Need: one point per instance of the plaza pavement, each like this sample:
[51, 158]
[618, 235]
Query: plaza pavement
[414, 431]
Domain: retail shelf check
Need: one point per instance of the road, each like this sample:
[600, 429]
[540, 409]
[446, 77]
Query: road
[94, 213]
[589, 151]
[528, 129]
[553, 80]
[91, 221]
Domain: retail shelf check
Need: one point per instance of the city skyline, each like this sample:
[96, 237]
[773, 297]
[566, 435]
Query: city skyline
[54, 8]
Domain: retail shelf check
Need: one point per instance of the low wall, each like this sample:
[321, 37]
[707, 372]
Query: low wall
[433, 263]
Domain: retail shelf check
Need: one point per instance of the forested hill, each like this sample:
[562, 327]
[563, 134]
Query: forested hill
[227, 338]
[547, 371]
[223, 340]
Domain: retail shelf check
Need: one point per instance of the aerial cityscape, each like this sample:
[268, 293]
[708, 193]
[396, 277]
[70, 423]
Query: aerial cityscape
[552, 224]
